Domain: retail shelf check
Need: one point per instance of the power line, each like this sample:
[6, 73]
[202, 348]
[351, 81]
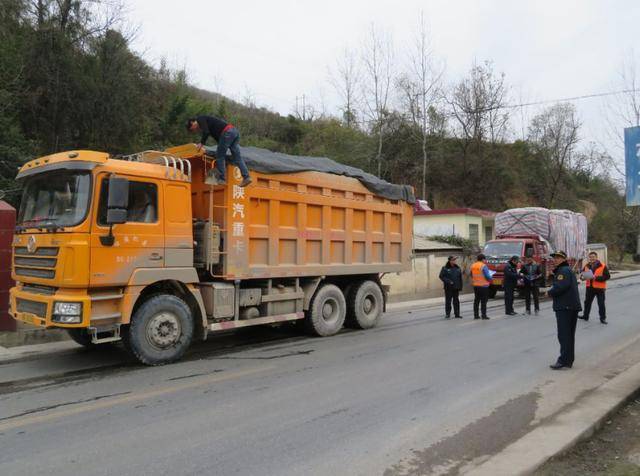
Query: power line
[574, 98]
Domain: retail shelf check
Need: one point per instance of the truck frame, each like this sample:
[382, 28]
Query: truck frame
[140, 249]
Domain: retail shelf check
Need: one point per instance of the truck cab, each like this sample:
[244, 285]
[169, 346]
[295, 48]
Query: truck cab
[501, 249]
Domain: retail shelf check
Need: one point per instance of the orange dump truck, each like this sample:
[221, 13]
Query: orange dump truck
[141, 249]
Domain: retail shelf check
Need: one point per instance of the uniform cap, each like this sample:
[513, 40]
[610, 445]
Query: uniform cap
[560, 254]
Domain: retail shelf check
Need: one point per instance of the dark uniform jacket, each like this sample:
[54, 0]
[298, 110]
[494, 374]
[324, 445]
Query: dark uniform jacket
[529, 272]
[510, 275]
[451, 276]
[211, 126]
[565, 289]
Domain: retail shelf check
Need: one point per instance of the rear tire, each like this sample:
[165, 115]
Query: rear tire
[492, 292]
[161, 330]
[327, 311]
[364, 306]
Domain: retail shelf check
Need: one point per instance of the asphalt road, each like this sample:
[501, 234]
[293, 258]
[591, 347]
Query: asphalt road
[416, 395]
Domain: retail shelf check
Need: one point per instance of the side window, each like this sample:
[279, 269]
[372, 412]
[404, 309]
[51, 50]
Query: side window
[143, 202]
[528, 250]
[474, 233]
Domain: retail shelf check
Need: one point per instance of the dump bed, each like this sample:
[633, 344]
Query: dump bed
[302, 224]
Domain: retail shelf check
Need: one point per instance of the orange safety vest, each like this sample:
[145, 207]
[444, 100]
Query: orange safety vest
[477, 276]
[598, 272]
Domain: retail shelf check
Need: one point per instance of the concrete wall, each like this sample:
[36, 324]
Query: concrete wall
[458, 224]
[422, 281]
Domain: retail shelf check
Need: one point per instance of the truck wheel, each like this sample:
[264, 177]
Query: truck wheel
[161, 330]
[82, 337]
[364, 306]
[326, 312]
[492, 292]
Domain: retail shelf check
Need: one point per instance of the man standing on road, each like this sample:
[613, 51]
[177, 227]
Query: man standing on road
[531, 275]
[510, 284]
[566, 304]
[481, 279]
[451, 276]
[595, 274]
[228, 138]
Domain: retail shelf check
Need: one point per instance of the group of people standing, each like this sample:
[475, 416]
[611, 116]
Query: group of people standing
[564, 292]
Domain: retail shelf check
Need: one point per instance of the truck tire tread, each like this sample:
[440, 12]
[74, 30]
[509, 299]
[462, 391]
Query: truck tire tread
[134, 337]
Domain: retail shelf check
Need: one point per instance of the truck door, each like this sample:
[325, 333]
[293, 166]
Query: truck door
[139, 243]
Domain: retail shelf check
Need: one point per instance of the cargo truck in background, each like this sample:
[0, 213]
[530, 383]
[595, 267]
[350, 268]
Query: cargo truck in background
[535, 232]
[141, 249]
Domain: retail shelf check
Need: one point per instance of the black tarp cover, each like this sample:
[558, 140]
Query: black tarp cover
[267, 162]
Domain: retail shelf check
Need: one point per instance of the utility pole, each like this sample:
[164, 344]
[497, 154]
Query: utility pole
[304, 109]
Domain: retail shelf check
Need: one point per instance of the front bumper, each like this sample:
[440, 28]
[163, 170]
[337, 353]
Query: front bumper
[37, 309]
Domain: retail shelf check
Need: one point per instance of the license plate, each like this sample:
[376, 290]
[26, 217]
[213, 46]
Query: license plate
[31, 319]
[497, 281]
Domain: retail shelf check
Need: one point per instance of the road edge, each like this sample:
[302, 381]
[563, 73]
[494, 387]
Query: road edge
[563, 431]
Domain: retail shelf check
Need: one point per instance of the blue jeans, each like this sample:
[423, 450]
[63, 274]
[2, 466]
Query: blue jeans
[229, 140]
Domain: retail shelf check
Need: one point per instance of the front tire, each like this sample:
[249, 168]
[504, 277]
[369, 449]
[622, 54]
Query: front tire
[82, 337]
[327, 311]
[161, 330]
[365, 304]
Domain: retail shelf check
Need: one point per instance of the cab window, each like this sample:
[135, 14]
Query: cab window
[143, 202]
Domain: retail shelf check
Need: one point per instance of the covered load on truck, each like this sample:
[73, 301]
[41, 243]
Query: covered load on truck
[269, 162]
[563, 229]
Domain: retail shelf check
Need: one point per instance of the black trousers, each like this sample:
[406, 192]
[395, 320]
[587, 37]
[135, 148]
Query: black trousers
[451, 296]
[508, 299]
[566, 322]
[535, 292]
[588, 300]
[481, 296]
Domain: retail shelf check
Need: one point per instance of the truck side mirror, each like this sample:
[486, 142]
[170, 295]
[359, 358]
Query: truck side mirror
[117, 205]
[117, 200]
[529, 253]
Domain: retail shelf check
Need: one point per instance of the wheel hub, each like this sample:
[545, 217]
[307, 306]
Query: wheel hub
[367, 305]
[327, 310]
[163, 330]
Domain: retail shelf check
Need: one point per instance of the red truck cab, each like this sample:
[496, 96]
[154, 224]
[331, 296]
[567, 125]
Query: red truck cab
[503, 247]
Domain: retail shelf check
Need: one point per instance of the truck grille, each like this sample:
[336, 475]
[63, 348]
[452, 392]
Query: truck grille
[32, 307]
[39, 264]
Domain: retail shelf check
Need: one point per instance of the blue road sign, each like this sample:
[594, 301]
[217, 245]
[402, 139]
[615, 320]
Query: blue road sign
[632, 161]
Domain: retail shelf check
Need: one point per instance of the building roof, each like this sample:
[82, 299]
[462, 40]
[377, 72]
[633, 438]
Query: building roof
[455, 211]
[422, 243]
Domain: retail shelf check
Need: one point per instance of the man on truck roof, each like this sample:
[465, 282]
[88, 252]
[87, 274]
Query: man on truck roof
[227, 137]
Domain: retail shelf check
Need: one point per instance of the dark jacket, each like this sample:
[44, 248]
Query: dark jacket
[211, 126]
[565, 289]
[451, 276]
[531, 274]
[510, 275]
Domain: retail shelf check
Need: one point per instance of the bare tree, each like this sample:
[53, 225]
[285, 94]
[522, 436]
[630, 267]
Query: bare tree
[554, 135]
[477, 103]
[421, 87]
[345, 77]
[623, 109]
[378, 62]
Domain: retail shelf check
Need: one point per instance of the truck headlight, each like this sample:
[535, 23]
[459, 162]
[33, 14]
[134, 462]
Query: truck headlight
[67, 312]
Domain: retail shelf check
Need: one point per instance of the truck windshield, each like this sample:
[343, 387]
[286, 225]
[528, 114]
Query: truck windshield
[501, 249]
[55, 199]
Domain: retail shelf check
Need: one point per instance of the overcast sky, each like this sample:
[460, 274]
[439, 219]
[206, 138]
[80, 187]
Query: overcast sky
[280, 49]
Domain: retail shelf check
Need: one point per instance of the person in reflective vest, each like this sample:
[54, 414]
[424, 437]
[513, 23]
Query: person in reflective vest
[481, 279]
[595, 275]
